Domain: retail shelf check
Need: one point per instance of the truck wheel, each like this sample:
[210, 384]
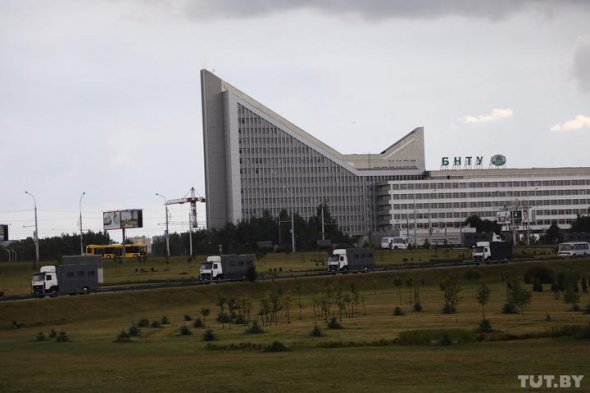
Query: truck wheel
[85, 291]
[53, 293]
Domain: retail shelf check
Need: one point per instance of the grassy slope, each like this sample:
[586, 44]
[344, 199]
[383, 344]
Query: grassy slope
[164, 361]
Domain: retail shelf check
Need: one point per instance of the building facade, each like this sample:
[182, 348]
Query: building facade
[446, 198]
[255, 160]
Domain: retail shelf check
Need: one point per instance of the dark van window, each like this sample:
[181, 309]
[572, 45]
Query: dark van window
[81, 274]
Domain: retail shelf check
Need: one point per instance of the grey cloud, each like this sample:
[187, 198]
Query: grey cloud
[382, 9]
[581, 65]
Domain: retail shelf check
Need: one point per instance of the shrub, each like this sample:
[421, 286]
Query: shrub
[134, 331]
[143, 322]
[198, 323]
[449, 309]
[509, 308]
[334, 324]
[398, 311]
[417, 307]
[537, 286]
[52, 333]
[223, 318]
[445, 339]
[276, 346]
[164, 320]
[123, 337]
[485, 326]
[40, 337]
[255, 329]
[185, 331]
[547, 318]
[62, 337]
[472, 275]
[187, 318]
[544, 274]
[436, 337]
[240, 320]
[155, 324]
[209, 335]
[316, 332]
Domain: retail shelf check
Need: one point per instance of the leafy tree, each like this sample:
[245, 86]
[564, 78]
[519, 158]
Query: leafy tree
[480, 225]
[552, 235]
[451, 288]
[572, 298]
[483, 296]
[518, 296]
[581, 224]
[397, 282]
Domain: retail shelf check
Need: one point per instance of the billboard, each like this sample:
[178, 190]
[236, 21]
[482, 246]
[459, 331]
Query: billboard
[517, 217]
[3, 233]
[503, 217]
[119, 219]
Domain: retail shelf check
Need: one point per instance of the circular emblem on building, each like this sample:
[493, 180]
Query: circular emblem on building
[498, 160]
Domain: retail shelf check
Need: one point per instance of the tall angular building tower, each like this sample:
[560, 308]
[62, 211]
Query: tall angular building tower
[256, 160]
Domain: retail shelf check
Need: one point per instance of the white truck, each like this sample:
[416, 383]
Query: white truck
[495, 251]
[77, 275]
[231, 267]
[351, 259]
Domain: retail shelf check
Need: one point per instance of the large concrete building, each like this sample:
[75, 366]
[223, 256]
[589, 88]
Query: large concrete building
[256, 160]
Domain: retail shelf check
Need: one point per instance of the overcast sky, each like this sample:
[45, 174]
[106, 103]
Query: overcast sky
[103, 96]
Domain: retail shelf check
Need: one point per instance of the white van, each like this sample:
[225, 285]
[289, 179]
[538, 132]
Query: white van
[401, 243]
[573, 249]
[386, 242]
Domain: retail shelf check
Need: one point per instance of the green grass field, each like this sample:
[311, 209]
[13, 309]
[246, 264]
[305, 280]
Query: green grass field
[360, 357]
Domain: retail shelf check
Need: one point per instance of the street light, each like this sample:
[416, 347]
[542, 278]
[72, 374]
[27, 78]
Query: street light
[81, 241]
[292, 220]
[167, 238]
[36, 237]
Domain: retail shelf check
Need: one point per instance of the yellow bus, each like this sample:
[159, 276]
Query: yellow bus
[108, 251]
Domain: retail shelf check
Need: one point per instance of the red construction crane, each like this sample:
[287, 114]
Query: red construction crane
[192, 199]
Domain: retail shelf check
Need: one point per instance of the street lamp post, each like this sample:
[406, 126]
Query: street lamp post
[81, 239]
[167, 236]
[36, 237]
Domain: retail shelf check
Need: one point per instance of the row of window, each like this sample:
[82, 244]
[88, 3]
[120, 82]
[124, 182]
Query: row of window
[495, 194]
[490, 184]
[467, 205]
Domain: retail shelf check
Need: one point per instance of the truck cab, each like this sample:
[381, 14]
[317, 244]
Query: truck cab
[45, 282]
[351, 259]
[337, 261]
[481, 252]
[211, 269]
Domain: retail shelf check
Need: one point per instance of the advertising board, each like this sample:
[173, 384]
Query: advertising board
[131, 218]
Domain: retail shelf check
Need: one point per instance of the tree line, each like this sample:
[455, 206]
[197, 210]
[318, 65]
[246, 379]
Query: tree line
[244, 237]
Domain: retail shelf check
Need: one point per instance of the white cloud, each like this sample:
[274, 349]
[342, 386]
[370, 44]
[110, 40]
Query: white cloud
[577, 123]
[494, 115]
